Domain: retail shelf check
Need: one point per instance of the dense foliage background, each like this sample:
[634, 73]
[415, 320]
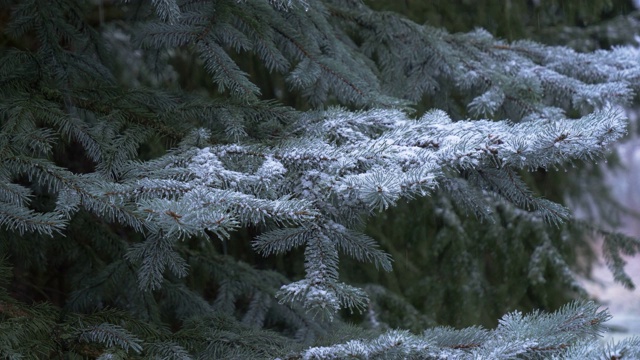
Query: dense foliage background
[181, 179]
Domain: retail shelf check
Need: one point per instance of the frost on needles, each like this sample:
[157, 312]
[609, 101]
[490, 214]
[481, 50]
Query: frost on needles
[307, 177]
[342, 167]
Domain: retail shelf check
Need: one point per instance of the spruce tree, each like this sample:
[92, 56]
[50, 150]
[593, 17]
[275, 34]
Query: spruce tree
[183, 179]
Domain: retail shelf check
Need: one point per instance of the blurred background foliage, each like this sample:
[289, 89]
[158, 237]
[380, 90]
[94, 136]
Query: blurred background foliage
[508, 19]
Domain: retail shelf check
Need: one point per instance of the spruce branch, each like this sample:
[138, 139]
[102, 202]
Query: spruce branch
[516, 336]
[110, 335]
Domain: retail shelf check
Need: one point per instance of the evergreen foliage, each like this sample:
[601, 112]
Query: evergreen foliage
[138, 139]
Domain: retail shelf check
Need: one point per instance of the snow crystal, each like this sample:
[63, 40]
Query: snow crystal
[271, 167]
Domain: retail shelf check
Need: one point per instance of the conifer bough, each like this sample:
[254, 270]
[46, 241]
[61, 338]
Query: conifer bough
[121, 217]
